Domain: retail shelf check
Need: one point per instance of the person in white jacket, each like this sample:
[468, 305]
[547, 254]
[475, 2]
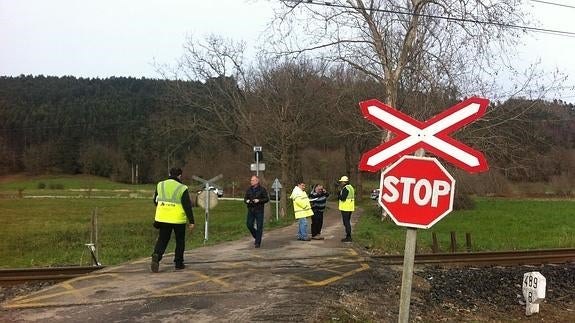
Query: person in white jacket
[302, 209]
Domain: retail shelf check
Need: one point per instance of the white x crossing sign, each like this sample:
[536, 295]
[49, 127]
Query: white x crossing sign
[431, 135]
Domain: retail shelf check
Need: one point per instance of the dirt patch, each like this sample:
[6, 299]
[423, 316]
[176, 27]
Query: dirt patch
[451, 294]
[11, 178]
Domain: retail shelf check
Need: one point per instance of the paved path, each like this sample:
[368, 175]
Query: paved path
[227, 282]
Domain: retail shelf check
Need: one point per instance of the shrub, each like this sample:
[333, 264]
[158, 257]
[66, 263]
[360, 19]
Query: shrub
[41, 185]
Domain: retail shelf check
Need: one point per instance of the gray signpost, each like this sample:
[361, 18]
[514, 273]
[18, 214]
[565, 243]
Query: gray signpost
[207, 184]
[258, 157]
[277, 187]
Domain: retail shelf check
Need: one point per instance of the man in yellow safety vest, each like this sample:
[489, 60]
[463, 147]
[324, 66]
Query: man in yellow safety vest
[346, 199]
[173, 211]
[301, 209]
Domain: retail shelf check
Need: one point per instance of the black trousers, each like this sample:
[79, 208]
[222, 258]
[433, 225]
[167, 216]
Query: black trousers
[316, 223]
[164, 234]
[346, 217]
[258, 218]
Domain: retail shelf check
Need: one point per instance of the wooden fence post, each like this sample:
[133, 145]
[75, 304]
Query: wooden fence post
[453, 242]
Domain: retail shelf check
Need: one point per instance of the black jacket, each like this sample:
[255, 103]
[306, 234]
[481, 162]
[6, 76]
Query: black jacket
[256, 193]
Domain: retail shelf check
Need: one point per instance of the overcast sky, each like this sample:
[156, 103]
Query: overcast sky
[106, 38]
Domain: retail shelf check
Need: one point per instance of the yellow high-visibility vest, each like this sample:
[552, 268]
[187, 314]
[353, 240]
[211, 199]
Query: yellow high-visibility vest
[349, 203]
[169, 208]
[301, 205]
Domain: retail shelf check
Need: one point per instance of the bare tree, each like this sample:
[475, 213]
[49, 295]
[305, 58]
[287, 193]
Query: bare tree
[271, 105]
[289, 98]
[208, 84]
[422, 42]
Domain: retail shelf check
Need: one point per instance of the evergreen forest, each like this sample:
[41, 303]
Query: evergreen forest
[308, 123]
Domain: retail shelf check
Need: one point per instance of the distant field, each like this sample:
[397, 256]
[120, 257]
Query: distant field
[39, 232]
[495, 224]
[52, 232]
[70, 185]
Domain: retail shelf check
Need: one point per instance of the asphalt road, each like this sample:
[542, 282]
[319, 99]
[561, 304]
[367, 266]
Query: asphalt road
[284, 280]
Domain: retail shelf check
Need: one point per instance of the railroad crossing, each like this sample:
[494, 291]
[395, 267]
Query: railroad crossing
[220, 283]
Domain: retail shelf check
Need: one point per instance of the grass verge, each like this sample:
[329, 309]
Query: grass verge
[52, 232]
[495, 224]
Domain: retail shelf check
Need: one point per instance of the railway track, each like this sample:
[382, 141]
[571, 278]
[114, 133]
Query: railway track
[524, 257]
[14, 276]
[527, 257]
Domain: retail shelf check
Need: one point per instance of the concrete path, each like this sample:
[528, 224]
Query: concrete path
[229, 282]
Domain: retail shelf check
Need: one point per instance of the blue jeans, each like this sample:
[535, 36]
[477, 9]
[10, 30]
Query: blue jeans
[302, 228]
[258, 218]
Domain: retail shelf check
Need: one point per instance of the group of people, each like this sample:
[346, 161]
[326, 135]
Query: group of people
[304, 207]
[174, 213]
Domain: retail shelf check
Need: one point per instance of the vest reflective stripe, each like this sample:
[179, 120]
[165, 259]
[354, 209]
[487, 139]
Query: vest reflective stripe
[301, 206]
[349, 203]
[176, 195]
[169, 208]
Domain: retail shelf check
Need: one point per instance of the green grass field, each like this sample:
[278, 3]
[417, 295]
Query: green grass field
[52, 232]
[81, 186]
[495, 224]
[39, 232]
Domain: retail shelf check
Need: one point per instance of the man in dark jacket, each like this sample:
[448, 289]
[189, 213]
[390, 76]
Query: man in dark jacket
[318, 199]
[255, 198]
[173, 210]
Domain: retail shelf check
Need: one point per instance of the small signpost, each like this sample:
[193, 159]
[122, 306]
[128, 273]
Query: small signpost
[258, 156]
[416, 191]
[276, 185]
[207, 184]
[534, 285]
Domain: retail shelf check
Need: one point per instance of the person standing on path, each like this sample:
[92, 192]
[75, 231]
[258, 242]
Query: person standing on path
[301, 209]
[255, 198]
[318, 199]
[173, 210]
[346, 199]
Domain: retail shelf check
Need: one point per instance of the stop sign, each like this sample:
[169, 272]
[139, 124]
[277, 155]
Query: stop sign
[416, 191]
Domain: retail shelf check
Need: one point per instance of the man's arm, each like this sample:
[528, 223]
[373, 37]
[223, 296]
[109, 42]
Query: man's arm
[187, 205]
[264, 198]
[247, 197]
[343, 194]
[156, 197]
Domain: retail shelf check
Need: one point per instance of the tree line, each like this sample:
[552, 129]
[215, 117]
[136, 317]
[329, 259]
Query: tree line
[305, 116]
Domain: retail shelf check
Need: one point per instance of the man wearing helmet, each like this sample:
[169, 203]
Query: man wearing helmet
[346, 199]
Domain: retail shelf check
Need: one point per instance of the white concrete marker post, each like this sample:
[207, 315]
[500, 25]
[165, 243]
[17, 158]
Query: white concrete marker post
[276, 186]
[534, 285]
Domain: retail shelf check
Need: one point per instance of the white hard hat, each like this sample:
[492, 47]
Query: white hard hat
[344, 179]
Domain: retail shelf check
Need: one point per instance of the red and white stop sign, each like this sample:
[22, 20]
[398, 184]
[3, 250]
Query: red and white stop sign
[416, 191]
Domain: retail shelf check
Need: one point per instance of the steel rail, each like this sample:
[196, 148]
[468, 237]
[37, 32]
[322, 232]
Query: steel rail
[524, 257]
[44, 274]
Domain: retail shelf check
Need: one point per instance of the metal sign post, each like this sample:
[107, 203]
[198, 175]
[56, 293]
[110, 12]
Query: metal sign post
[258, 156]
[207, 184]
[277, 186]
[415, 136]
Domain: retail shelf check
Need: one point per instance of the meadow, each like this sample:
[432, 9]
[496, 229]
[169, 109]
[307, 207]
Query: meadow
[494, 224]
[41, 232]
[53, 230]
